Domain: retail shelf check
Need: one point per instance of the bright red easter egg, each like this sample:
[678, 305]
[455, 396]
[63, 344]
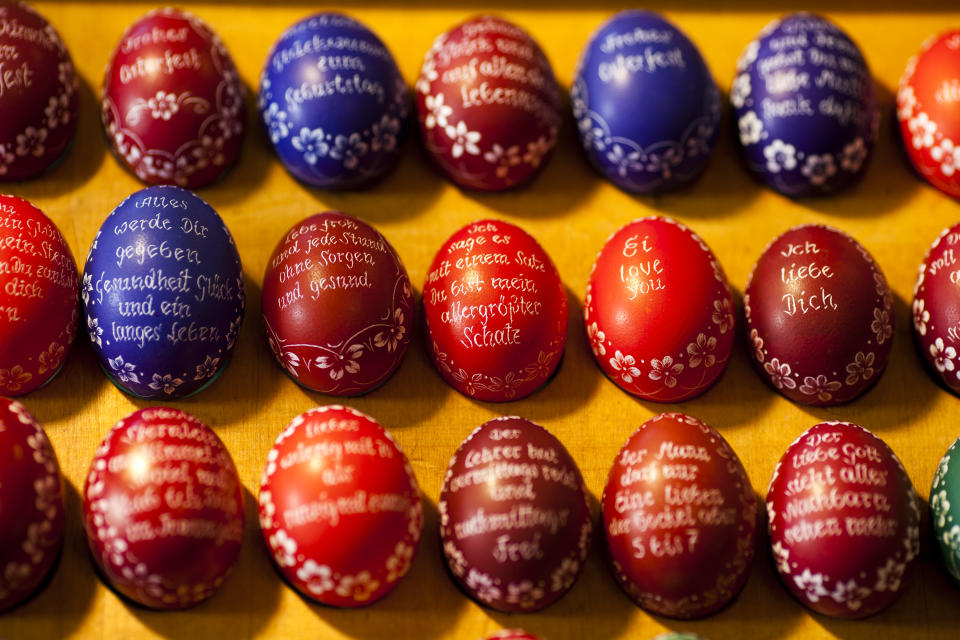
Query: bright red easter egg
[163, 509]
[819, 316]
[843, 521]
[340, 509]
[337, 305]
[496, 312]
[680, 518]
[172, 102]
[31, 505]
[488, 104]
[936, 309]
[659, 311]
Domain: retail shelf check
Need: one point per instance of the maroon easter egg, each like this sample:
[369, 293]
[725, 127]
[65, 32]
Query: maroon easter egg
[936, 309]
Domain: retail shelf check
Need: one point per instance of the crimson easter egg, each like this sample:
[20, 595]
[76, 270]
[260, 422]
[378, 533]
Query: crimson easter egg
[496, 312]
[819, 316]
[38, 297]
[337, 305]
[340, 508]
[928, 108]
[39, 96]
[163, 509]
[512, 634]
[514, 519]
[488, 105]
[31, 505]
[843, 521]
[659, 311]
[936, 309]
[172, 102]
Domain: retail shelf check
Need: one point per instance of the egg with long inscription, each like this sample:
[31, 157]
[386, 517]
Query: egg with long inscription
[333, 102]
[172, 101]
[340, 508]
[944, 513]
[805, 106]
[514, 518]
[659, 311]
[337, 305]
[936, 310]
[488, 104]
[31, 505]
[163, 294]
[844, 521]
[819, 316]
[496, 312]
[39, 93]
[680, 518]
[39, 302]
[163, 509]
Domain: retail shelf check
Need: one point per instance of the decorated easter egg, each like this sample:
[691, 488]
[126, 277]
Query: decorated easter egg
[944, 515]
[512, 634]
[936, 309]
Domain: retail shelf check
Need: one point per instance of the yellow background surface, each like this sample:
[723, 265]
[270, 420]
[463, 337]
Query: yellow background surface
[571, 211]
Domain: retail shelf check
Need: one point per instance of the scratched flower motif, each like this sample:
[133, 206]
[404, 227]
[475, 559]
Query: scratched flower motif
[392, 336]
[349, 149]
[318, 577]
[665, 369]
[849, 593]
[536, 150]
[31, 141]
[565, 575]
[782, 556]
[779, 373]
[596, 338]
[51, 358]
[881, 326]
[57, 111]
[482, 585]
[526, 594]
[906, 101]
[267, 508]
[338, 364]
[701, 351]
[455, 559]
[428, 73]
[47, 490]
[757, 343]
[625, 364]
[6, 157]
[921, 316]
[542, 368]
[740, 91]
[751, 128]
[890, 575]
[310, 142]
[593, 136]
[464, 140]
[384, 133]
[861, 368]
[14, 378]
[276, 121]
[811, 584]
[780, 156]
[399, 562]
[438, 112]
[923, 130]
[163, 105]
[853, 155]
[948, 155]
[207, 368]
[359, 587]
[284, 548]
[722, 315]
[503, 158]
[749, 55]
[819, 386]
[939, 507]
[290, 362]
[818, 168]
[625, 161]
[943, 355]
[123, 371]
[166, 383]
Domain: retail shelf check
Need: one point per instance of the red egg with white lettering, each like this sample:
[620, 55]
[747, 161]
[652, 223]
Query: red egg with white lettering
[172, 101]
[659, 311]
[340, 508]
[514, 518]
[38, 297]
[496, 312]
[844, 521]
[488, 104]
[819, 316]
[163, 509]
[31, 505]
[337, 305]
[936, 310]
[680, 517]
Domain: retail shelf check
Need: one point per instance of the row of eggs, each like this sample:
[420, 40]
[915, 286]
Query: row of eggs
[335, 105]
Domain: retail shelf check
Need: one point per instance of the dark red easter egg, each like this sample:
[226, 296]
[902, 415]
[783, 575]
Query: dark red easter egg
[172, 102]
[514, 519]
[337, 305]
[38, 297]
[163, 509]
[488, 105]
[659, 311]
[512, 634]
[819, 316]
[680, 518]
[39, 93]
[936, 309]
[496, 312]
[340, 509]
[31, 505]
[843, 520]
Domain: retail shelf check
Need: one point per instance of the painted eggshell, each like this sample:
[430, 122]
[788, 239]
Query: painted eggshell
[805, 106]
[512, 634]
[488, 104]
[340, 508]
[337, 305]
[944, 513]
[659, 311]
[163, 294]
[496, 312]
[172, 102]
[843, 521]
[936, 309]
[514, 519]
[333, 102]
[163, 509]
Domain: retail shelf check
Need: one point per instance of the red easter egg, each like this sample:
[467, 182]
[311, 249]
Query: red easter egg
[496, 312]
[337, 305]
[680, 517]
[340, 509]
[843, 521]
[163, 509]
[928, 108]
[659, 311]
[512, 634]
[31, 505]
[819, 316]
[488, 105]
[936, 309]
[38, 297]
[39, 93]
[172, 102]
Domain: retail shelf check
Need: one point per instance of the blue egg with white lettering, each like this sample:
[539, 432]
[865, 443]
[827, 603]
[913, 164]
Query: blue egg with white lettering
[333, 102]
[646, 107]
[163, 294]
